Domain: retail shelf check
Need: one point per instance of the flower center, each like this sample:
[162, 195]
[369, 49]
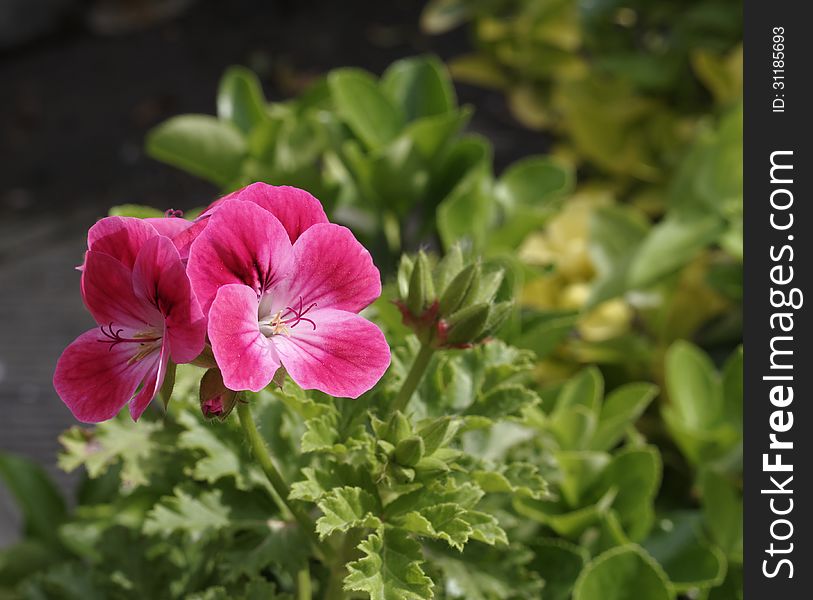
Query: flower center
[148, 340]
[283, 321]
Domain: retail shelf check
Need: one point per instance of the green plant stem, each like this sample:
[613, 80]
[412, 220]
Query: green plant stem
[261, 454]
[413, 378]
[303, 583]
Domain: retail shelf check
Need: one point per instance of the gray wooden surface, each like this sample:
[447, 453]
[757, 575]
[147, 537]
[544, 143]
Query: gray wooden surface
[40, 313]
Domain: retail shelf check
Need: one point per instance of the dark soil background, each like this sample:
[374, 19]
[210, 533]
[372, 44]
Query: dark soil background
[78, 94]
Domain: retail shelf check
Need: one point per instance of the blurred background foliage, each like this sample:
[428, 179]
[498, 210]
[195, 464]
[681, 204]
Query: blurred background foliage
[612, 461]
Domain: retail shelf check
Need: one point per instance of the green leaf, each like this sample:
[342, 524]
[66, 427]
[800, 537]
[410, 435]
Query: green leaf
[390, 569]
[240, 99]
[689, 561]
[636, 475]
[110, 442]
[723, 511]
[345, 508]
[522, 479]
[185, 513]
[623, 573]
[134, 210]
[585, 389]
[671, 244]
[441, 521]
[220, 458]
[544, 334]
[535, 182]
[420, 86]
[366, 110]
[38, 499]
[467, 212]
[201, 145]
[616, 232]
[620, 410]
[484, 573]
[503, 401]
[559, 563]
[694, 387]
[439, 16]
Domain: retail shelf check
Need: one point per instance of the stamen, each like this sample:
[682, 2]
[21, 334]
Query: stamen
[171, 212]
[298, 315]
[114, 337]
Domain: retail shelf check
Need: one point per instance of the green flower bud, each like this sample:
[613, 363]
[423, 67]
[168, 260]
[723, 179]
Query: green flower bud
[421, 289]
[459, 288]
[437, 433]
[396, 429]
[467, 324]
[489, 286]
[450, 266]
[409, 451]
[404, 273]
[216, 400]
[497, 316]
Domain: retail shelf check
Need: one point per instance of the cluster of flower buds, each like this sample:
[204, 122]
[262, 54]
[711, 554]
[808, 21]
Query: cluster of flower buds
[408, 452]
[452, 304]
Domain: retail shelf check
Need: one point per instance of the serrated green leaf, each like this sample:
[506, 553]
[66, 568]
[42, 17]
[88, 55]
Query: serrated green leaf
[185, 513]
[390, 569]
[522, 479]
[347, 507]
[502, 402]
[116, 440]
[441, 521]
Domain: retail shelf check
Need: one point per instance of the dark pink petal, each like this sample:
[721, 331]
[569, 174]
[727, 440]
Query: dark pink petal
[120, 237]
[152, 383]
[242, 243]
[96, 379]
[296, 209]
[159, 280]
[332, 269]
[183, 240]
[247, 359]
[344, 356]
[169, 226]
[107, 289]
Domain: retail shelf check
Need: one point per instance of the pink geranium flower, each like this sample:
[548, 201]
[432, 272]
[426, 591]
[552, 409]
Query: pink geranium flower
[296, 209]
[135, 286]
[284, 289]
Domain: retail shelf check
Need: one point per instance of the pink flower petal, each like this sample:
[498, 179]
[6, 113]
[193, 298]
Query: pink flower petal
[159, 280]
[120, 237]
[95, 379]
[247, 359]
[169, 226]
[242, 243]
[152, 383]
[107, 289]
[332, 269]
[344, 356]
[183, 240]
[296, 209]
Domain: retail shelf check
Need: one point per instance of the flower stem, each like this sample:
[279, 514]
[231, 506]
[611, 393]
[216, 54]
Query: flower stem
[261, 454]
[413, 378]
[303, 583]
